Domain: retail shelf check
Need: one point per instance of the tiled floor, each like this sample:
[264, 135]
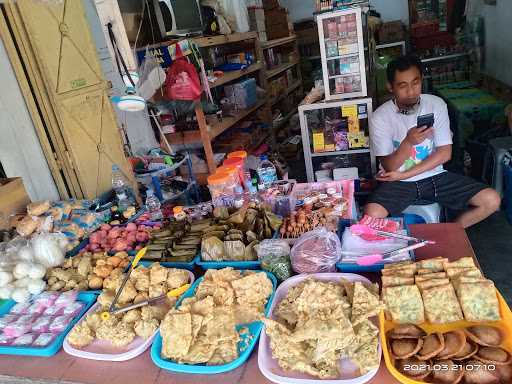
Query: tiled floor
[492, 242]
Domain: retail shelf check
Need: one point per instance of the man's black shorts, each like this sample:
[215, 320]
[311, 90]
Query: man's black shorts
[448, 189]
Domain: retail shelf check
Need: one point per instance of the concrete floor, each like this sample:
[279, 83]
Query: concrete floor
[492, 242]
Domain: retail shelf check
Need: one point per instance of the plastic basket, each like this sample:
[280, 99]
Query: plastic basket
[253, 335]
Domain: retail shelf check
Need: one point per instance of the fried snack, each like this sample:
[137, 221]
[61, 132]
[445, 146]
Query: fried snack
[393, 281]
[252, 290]
[483, 375]
[479, 301]
[157, 289]
[177, 278]
[433, 344]
[406, 331]
[398, 265]
[93, 321]
[118, 333]
[404, 367]
[423, 285]
[145, 328]
[441, 304]
[365, 332]
[469, 350]
[472, 272]
[106, 298]
[404, 304]
[157, 274]
[431, 265]
[449, 374]
[367, 357]
[429, 276]
[226, 274]
[80, 336]
[176, 330]
[142, 283]
[408, 270]
[454, 343]
[226, 352]
[493, 355]
[464, 271]
[127, 294]
[504, 372]
[404, 348]
[364, 304]
[485, 335]
[247, 314]
[132, 316]
[463, 262]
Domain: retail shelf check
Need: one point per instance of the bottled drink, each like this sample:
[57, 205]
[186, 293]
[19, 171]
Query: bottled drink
[121, 188]
[153, 205]
[266, 172]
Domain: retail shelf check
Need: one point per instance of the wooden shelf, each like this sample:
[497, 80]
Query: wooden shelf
[289, 90]
[211, 41]
[277, 42]
[233, 75]
[281, 68]
[215, 127]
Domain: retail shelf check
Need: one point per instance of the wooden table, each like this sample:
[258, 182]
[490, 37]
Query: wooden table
[451, 242]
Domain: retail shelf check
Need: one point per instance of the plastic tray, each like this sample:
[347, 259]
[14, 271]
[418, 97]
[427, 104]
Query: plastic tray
[269, 366]
[352, 268]
[254, 332]
[224, 264]
[104, 351]
[88, 298]
[505, 324]
[180, 265]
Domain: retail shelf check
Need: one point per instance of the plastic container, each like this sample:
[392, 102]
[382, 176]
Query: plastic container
[254, 333]
[240, 154]
[239, 164]
[153, 206]
[266, 172]
[85, 297]
[225, 264]
[269, 366]
[505, 325]
[121, 188]
[104, 351]
[222, 189]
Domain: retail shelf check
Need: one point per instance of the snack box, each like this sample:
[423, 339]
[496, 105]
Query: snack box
[254, 333]
[269, 366]
[104, 351]
[505, 325]
[88, 298]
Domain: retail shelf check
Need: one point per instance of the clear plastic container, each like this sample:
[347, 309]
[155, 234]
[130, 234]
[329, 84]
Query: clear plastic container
[121, 188]
[239, 164]
[266, 172]
[153, 205]
[222, 189]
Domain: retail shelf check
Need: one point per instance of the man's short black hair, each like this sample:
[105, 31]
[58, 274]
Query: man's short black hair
[403, 63]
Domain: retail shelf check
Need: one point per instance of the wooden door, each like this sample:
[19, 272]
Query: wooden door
[58, 36]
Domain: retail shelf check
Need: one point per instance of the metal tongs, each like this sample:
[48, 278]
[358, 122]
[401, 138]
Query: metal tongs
[360, 229]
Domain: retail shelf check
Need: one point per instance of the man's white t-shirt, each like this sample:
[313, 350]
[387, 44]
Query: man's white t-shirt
[389, 127]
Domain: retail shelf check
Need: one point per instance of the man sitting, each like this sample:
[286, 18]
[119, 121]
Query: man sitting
[412, 157]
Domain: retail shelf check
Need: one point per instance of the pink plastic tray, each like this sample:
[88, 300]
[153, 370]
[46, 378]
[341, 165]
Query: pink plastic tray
[104, 351]
[269, 366]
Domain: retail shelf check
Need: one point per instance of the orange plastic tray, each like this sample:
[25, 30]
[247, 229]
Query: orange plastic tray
[505, 324]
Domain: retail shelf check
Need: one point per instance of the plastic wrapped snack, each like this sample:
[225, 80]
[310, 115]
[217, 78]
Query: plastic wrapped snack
[47, 299]
[59, 324]
[42, 324]
[73, 309]
[24, 340]
[7, 319]
[17, 328]
[43, 340]
[66, 299]
[20, 308]
[5, 340]
[316, 251]
[35, 309]
[52, 311]
[274, 256]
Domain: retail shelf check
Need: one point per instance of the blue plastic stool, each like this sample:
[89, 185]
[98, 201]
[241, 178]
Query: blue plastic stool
[430, 212]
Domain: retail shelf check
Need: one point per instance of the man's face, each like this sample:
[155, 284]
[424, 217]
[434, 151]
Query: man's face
[407, 86]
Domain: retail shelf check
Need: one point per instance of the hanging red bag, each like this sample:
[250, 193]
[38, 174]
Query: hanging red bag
[182, 81]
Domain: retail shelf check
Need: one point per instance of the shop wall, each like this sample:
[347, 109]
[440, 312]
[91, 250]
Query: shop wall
[389, 9]
[20, 151]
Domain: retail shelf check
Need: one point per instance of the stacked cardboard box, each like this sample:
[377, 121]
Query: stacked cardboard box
[257, 22]
[276, 21]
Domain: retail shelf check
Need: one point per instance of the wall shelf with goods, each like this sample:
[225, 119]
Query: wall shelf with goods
[220, 52]
[284, 77]
[335, 136]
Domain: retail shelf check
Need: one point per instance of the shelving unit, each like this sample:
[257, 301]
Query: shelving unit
[233, 75]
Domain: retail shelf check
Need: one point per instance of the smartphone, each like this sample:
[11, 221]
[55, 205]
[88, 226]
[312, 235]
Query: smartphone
[425, 120]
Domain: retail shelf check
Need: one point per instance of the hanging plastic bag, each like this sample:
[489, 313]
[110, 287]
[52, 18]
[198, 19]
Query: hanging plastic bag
[182, 82]
[236, 14]
[316, 251]
[152, 76]
[274, 256]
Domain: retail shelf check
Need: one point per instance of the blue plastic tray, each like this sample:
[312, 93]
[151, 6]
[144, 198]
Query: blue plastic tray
[254, 331]
[75, 251]
[89, 298]
[180, 265]
[354, 268]
[224, 264]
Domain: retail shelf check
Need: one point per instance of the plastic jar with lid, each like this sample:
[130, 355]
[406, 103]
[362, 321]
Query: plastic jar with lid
[240, 154]
[222, 187]
[239, 164]
[231, 171]
[178, 213]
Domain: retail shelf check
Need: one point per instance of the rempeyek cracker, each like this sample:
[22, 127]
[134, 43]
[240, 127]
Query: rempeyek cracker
[463, 262]
[404, 304]
[407, 271]
[479, 301]
[393, 281]
[364, 304]
[429, 276]
[441, 304]
[431, 265]
[454, 271]
[422, 285]
[398, 265]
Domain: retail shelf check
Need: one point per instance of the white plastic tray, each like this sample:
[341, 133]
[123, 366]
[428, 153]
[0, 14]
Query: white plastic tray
[269, 366]
[105, 351]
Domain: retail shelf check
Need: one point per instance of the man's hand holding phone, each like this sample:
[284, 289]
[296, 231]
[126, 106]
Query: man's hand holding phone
[418, 135]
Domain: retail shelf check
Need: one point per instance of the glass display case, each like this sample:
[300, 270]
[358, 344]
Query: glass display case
[332, 133]
[342, 51]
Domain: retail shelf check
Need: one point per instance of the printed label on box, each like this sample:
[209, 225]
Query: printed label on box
[318, 142]
[350, 112]
[358, 140]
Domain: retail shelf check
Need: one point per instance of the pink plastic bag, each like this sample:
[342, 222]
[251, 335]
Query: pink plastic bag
[17, 329]
[35, 309]
[7, 319]
[53, 311]
[20, 308]
[43, 340]
[46, 298]
[182, 81]
[42, 324]
[66, 298]
[59, 324]
[73, 310]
